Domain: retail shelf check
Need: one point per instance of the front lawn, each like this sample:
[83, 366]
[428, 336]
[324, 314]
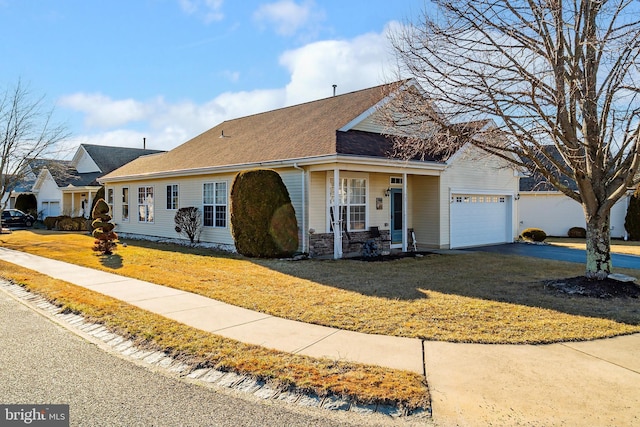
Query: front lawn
[474, 297]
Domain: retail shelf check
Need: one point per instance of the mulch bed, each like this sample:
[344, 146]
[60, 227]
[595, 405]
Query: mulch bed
[581, 286]
[390, 257]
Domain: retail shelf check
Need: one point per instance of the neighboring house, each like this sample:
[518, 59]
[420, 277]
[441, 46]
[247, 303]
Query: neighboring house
[464, 200]
[555, 213]
[24, 186]
[69, 187]
[542, 206]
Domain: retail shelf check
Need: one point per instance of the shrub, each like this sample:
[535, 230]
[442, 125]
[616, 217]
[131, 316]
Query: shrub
[27, 203]
[534, 235]
[632, 219]
[100, 194]
[370, 249]
[66, 223]
[103, 229]
[51, 222]
[263, 221]
[577, 232]
[189, 222]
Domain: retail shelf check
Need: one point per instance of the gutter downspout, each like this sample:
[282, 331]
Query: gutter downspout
[304, 209]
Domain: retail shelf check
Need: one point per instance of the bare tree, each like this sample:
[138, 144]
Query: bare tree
[27, 132]
[549, 85]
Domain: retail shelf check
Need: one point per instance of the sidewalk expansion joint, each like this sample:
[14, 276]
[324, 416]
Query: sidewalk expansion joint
[315, 342]
[267, 316]
[626, 368]
[156, 359]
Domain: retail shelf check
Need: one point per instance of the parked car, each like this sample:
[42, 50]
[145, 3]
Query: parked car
[16, 218]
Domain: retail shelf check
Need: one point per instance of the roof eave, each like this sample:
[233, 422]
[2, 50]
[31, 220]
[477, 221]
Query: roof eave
[303, 161]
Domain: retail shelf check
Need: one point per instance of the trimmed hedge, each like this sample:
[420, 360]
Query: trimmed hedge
[577, 232]
[263, 220]
[534, 235]
[66, 223]
[632, 219]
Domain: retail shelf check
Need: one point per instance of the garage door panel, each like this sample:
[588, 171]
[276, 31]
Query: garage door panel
[479, 220]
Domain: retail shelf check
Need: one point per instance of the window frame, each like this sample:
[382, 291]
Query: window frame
[215, 210]
[348, 205]
[110, 196]
[125, 204]
[173, 197]
[149, 213]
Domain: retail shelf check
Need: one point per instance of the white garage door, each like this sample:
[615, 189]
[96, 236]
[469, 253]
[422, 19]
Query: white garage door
[50, 209]
[480, 219]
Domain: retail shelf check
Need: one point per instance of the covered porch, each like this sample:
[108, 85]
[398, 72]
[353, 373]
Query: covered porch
[77, 201]
[397, 209]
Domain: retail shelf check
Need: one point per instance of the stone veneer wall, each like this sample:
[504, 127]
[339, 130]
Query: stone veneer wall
[321, 244]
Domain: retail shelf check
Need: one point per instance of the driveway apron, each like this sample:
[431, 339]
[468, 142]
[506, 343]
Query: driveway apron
[558, 253]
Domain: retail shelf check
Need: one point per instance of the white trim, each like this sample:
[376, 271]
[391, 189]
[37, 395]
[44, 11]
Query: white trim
[337, 229]
[128, 203]
[227, 219]
[328, 161]
[167, 200]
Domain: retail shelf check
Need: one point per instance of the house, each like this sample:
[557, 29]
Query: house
[452, 201]
[68, 187]
[542, 206]
[24, 186]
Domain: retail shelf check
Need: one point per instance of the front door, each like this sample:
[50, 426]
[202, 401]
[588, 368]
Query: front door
[396, 216]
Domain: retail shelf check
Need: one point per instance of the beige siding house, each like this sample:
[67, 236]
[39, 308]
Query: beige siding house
[464, 200]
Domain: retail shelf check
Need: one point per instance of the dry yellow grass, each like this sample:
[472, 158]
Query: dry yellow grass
[617, 246]
[476, 297]
[363, 383]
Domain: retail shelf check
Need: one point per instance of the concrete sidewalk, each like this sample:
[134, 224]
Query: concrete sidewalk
[574, 384]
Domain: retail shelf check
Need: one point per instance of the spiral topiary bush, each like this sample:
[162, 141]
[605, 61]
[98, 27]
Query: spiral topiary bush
[103, 229]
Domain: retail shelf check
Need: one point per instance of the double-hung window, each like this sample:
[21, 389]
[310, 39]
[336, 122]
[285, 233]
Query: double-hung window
[125, 203]
[352, 194]
[145, 204]
[172, 196]
[110, 199]
[214, 201]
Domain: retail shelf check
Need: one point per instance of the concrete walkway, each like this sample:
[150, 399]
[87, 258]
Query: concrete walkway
[574, 384]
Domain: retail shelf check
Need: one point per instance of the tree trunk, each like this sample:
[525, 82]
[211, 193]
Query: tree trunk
[598, 247]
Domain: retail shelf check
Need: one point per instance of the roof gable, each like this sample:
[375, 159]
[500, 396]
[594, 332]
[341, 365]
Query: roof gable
[296, 132]
[107, 159]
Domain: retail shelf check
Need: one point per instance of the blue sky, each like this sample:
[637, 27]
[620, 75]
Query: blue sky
[167, 70]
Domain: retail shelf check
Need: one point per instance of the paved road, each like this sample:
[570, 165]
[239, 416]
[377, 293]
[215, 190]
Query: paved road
[44, 363]
[558, 253]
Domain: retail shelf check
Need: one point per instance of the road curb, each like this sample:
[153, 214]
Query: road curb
[125, 348]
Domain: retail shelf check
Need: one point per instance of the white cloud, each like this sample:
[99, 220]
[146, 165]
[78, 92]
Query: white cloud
[207, 10]
[350, 64]
[286, 16]
[102, 111]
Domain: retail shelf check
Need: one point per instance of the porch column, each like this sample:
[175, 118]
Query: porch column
[405, 228]
[73, 203]
[337, 218]
[88, 214]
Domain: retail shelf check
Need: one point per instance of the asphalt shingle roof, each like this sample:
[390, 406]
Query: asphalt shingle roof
[299, 131]
[111, 158]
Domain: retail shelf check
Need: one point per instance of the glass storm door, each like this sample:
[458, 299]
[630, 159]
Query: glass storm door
[396, 216]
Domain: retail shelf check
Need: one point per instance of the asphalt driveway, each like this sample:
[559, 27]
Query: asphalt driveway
[556, 252]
